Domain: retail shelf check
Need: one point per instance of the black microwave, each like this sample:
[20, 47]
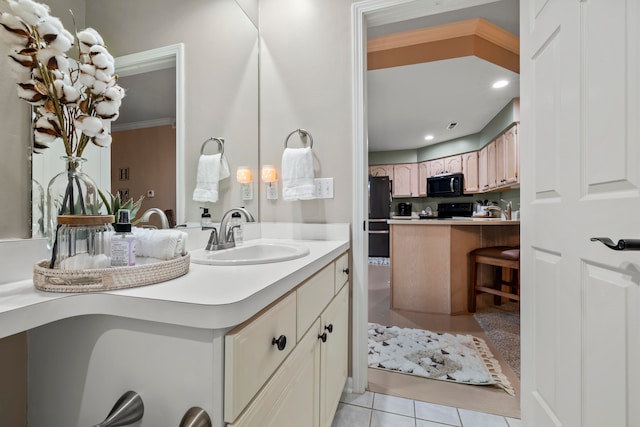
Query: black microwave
[447, 185]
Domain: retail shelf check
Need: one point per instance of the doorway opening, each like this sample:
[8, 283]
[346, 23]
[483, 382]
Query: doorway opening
[378, 270]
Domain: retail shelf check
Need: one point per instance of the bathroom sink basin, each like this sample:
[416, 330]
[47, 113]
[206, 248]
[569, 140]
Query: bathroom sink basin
[251, 253]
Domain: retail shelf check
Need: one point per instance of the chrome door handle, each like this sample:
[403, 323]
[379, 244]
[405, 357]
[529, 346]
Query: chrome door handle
[622, 245]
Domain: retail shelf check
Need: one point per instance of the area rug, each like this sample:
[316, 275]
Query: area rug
[502, 326]
[462, 359]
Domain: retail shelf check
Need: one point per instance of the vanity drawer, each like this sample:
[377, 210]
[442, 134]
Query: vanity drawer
[342, 271]
[252, 353]
[313, 296]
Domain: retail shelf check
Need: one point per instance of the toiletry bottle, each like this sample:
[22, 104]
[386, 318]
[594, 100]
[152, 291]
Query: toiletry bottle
[205, 220]
[123, 243]
[236, 227]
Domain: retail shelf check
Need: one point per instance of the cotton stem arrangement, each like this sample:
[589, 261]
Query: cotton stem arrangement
[74, 101]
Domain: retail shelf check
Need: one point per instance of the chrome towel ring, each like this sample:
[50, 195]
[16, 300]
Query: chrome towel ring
[220, 142]
[302, 134]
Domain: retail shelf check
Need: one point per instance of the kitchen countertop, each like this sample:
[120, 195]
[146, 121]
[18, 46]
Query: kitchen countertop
[454, 221]
[210, 297]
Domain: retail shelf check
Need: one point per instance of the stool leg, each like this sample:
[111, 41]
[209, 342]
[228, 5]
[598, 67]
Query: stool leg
[497, 284]
[471, 304]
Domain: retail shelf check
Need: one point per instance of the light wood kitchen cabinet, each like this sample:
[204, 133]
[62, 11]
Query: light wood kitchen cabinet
[483, 175]
[491, 165]
[437, 166]
[453, 164]
[470, 171]
[381, 170]
[405, 180]
[424, 172]
[306, 388]
[498, 162]
[508, 158]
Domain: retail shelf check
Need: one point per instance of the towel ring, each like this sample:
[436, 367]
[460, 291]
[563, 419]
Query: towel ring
[301, 132]
[220, 142]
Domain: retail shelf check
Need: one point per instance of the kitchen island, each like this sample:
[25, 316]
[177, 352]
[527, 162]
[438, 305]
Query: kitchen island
[429, 260]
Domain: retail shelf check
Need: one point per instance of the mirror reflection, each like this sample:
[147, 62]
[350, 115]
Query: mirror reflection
[220, 100]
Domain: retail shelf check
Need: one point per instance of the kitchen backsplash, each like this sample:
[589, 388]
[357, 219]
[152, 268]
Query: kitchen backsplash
[421, 203]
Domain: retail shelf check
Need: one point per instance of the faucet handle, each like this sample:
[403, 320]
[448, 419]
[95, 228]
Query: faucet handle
[213, 239]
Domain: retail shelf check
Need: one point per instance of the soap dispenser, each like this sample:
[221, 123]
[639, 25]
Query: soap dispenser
[123, 242]
[205, 220]
[236, 228]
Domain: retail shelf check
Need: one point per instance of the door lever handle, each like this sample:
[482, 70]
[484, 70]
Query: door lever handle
[622, 245]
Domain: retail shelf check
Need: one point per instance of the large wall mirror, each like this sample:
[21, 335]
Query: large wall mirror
[216, 95]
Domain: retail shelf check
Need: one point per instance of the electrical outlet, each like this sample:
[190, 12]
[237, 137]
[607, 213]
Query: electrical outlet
[324, 188]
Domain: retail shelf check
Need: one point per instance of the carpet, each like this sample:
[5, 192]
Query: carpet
[458, 358]
[502, 326]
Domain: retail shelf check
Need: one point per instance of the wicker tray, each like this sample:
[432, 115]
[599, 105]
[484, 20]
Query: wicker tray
[107, 279]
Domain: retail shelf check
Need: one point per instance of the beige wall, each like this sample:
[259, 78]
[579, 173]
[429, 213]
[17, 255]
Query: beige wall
[305, 82]
[150, 156]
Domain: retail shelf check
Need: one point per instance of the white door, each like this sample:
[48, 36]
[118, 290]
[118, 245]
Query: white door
[580, 179]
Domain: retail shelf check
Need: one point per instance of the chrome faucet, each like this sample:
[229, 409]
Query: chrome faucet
[506, 214]
[164, 221]
[224, 238]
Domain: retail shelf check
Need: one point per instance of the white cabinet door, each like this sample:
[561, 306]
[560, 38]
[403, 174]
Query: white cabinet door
[291, 397]
[252, 355]
[470, 171]
[334, 355]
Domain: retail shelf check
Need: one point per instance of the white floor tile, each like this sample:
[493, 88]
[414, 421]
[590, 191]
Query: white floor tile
[424, 423]
[514, 422]
[479, 419]
[385, 419]
[393, 404]
[437, 413]
[351, 416]
[365, 399]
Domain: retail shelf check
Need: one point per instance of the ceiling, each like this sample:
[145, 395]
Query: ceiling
[150, 97]
[408, 102]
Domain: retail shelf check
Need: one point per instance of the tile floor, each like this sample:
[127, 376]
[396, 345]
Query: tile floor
[381, 410]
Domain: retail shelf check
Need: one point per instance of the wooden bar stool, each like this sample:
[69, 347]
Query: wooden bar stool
[500, 257]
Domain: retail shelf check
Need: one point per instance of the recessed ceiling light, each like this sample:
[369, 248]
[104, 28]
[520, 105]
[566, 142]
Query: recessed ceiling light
[500, 83]
[429, 137]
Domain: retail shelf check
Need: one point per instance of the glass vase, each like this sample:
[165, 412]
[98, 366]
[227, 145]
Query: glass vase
[71, 192]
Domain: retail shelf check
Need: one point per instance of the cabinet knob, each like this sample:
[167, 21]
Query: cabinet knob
[345, 270]
[323, 337]
[281, 342]
[329, 328]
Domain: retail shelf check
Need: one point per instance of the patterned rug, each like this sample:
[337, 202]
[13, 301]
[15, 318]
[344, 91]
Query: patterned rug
[458, 358]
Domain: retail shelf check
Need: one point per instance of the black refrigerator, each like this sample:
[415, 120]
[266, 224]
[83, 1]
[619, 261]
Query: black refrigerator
[379, 213]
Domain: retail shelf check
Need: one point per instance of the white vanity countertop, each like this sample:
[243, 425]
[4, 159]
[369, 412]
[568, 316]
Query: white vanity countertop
[210, 297]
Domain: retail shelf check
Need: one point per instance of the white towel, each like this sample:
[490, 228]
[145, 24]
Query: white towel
[212, 168]
[297, 174]
[161, 244]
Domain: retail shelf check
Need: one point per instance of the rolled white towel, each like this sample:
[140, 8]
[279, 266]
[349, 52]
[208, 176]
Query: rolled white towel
[160, 244]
